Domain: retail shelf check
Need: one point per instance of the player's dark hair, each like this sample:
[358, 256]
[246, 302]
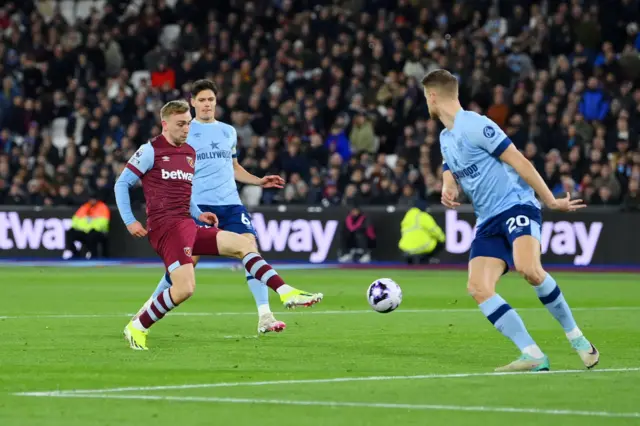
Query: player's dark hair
[204, 84]
[442, 80]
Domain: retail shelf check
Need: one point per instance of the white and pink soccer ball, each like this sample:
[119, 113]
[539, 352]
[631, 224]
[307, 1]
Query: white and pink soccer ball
[384, 295]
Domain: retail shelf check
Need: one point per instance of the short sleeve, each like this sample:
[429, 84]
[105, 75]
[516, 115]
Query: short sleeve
[142, 161]
[234, 143]
[445, 166]
[486, 134]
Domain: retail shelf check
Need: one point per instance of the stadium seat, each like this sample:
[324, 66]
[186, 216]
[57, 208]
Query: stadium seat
[138, 76]
[391, 160]
[135, 6]
[68, 11]
[99, 5]
[83, 9]
[169, 35]
[251, 195]
[376, 143]
[47, 8]
[59, 132]
[80, 123]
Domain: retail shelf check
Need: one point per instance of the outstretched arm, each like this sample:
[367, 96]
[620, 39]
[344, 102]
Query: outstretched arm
[488, 136]
[525, 169]
[242, 175]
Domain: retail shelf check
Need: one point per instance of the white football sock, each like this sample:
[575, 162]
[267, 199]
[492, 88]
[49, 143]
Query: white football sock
[263, 309]
[284, 289]
[534, 351]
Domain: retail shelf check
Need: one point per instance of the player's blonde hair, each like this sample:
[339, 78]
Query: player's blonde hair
[179, 106]
[442, 81]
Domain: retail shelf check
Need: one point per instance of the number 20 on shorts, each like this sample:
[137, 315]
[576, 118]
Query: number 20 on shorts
[518, 221]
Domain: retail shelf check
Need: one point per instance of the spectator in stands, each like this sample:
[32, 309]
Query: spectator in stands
[631, 202]
[338, 142]
[296, 191]
[362, 137]
[80, 91]
[358, 236]
[89, 228]
[610, 182]
[594, 105]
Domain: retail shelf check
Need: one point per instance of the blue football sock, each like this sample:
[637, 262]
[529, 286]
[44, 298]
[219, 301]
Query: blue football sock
[260, 293]
[165, 283]
[550, 295]
[507, 321]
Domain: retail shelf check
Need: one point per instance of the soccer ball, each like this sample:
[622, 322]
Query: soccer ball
[384, 295]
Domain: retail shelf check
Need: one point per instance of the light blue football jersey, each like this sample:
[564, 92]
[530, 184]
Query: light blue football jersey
[214, 183]
[471, 150]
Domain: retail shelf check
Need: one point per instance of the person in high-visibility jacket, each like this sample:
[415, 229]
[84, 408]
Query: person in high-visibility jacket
[422, 238]
[90, 227]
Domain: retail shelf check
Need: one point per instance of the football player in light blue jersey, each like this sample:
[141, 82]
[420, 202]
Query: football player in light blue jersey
[500, 182]
[214, 190]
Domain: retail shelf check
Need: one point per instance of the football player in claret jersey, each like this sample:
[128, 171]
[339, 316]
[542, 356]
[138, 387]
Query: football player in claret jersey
[214, 190]
[166, 166]
[500, 182]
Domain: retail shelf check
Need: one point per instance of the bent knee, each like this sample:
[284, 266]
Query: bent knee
[243, 249]
[190, 288]
[183, 290]
[240, 246]
[480, 291]
[533, 273]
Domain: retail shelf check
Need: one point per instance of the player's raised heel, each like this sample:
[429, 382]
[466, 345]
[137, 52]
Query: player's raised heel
[587, 352]
[137, 339]
[268, 323]
[300, 298]
[526, 363]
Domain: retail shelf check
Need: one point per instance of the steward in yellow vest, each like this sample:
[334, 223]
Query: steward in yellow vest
[90, 227]
[422, 238]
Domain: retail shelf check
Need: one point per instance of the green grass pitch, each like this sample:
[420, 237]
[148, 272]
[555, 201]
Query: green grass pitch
[429, 363]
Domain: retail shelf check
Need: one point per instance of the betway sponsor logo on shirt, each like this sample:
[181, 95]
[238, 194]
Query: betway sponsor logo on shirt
[561, 238]
[32, 234]
[177, 175]
[299, 235]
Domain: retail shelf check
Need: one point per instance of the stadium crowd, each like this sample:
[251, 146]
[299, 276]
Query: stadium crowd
[328, 96]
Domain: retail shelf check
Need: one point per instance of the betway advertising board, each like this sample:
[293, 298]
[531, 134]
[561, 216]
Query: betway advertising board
[293, 233]
[576, 240]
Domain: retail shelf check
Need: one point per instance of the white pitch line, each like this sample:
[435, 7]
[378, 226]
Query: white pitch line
[315, 381]
[335, 404]
[308, 312]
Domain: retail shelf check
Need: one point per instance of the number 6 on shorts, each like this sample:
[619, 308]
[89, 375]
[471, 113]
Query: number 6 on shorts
[245, 220]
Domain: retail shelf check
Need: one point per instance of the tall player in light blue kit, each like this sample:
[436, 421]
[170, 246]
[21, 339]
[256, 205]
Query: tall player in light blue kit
[500, 182]
[214, 190]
